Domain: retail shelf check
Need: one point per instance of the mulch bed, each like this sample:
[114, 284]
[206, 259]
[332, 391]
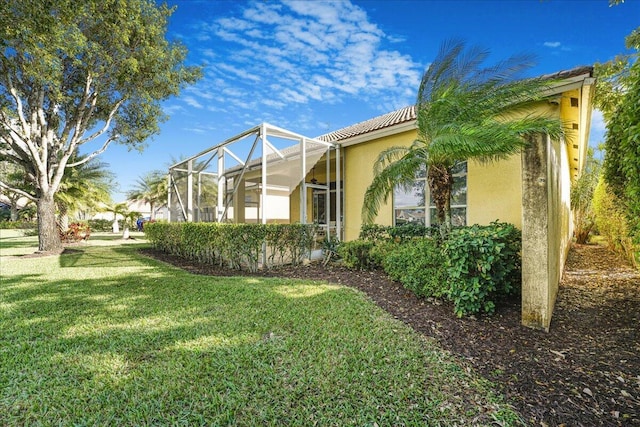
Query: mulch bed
[584, 372]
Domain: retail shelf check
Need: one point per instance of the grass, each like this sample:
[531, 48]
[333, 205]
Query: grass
[100, 335]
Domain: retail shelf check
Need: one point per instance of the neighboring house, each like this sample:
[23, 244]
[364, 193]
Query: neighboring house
[530, 190]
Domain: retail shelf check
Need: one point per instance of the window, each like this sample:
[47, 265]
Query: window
[410, 203]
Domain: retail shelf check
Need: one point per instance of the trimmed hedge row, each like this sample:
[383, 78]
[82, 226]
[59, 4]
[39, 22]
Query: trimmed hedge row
[471, 268]
[13, 225]
[237, 246]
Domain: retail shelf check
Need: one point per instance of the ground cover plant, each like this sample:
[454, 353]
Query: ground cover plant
[100, 335]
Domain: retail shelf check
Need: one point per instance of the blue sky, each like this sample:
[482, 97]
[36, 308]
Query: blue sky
[316, 66]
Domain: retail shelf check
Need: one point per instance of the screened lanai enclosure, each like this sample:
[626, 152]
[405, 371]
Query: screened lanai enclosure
[263, 175]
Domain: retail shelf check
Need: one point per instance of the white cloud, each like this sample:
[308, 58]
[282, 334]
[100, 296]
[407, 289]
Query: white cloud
[277, 55]
[191, 101]
[552, 44]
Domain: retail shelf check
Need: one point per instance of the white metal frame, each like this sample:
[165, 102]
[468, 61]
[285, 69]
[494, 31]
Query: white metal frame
[261, 134]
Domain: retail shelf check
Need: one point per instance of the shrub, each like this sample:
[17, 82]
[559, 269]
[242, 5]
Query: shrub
[77, 231]
[357, 254]
[611, 221]
[101, 224]
[236, 245]
[401, 233]
[419, 265]
[482, 262]
[12, 225]
[374, 232]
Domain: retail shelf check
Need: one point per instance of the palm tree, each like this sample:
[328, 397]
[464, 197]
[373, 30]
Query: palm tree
[116, 209]
[152, 189]
[464, 111]
[83, 186]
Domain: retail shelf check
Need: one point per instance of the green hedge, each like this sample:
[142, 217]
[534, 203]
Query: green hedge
[471, 268]
[419, 266]
[482, 263]
[23, 225]
[101, 224]
[399, 233]
[237, 246]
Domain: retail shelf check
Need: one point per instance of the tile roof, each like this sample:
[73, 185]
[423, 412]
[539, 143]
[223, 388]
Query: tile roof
[393, 118]
[408, 114]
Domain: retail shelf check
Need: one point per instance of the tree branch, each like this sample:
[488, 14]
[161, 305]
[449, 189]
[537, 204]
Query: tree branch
[94, 154]
[18, 101]
[106, 126]
[18, 191]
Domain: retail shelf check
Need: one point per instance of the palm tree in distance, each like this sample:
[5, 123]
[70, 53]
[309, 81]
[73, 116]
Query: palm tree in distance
[464, 111]
[152, 189]
[85, 186]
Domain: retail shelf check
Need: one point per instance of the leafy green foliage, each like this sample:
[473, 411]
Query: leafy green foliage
[622, 144]
[472, 267]
[419, 265]
[611, 220]
[356, 254]
[152, 189]
[11, 225]
[482, 262]
[581, 199]
[72, 73]
[465, 110]
[100, 224]
[237, 246]
[396, 233]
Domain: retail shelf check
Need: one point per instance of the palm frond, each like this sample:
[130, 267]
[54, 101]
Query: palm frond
[401, 172]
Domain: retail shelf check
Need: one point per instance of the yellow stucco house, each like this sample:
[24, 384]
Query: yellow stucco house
[324, 179]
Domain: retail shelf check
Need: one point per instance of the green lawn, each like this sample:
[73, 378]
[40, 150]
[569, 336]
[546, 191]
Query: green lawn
[103, 336]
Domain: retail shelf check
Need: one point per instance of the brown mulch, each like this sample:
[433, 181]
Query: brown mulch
[584, 372]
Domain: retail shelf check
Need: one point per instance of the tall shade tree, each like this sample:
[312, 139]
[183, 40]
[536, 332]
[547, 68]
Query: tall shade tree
[152, 189]
[465, 111]
[74, 73]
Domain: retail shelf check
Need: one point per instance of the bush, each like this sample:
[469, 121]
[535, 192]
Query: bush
[101, 224]
[374, 232]
[236, 245]
[419, 265]
[77, 231]
[357, 254]
[482, 262]
[378, 233]
[12, 225]
[611, 221]
[401, 233]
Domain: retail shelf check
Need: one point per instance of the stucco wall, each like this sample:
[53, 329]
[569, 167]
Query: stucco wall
[494, 192]
[359, 160]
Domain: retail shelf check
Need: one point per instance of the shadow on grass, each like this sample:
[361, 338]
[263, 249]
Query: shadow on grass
[129, 340]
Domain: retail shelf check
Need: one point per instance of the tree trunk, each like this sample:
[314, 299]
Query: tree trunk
[63, 217]
[48, 235]
[14, 210]
[153, 214]
[440, 181]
